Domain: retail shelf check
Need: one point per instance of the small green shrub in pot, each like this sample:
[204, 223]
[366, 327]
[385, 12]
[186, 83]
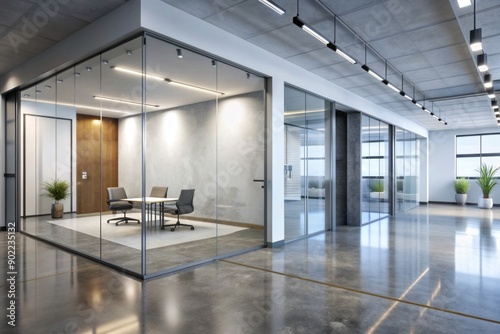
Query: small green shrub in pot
[58, 190]
[487, 182]
[462, 185]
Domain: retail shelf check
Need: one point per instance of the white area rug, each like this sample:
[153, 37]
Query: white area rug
[130, 234]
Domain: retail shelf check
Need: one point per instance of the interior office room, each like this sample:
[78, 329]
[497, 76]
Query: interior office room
[308, 148]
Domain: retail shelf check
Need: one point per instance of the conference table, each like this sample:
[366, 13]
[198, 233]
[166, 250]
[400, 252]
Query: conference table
[150, 201]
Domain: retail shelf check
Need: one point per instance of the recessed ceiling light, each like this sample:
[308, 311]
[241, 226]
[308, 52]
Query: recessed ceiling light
[60, 81]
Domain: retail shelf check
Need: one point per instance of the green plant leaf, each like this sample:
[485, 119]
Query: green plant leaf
[487, 181]
[56, 189]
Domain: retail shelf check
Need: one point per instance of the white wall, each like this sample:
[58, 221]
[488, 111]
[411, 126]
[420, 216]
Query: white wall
[218, 153]
[442, 166]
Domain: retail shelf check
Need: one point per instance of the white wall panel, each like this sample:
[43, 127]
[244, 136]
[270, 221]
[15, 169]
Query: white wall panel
[442, 166]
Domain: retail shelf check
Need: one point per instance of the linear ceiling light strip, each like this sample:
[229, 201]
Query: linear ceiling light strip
[273, 6]
[167, 80]
[321, 38]
[317, 35]
[133, 103]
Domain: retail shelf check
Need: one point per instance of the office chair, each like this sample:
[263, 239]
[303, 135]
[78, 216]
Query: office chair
[156, 192]
[184, 205]
[115, 203]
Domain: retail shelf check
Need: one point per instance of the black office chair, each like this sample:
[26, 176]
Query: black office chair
[184, 205]
[115, 203]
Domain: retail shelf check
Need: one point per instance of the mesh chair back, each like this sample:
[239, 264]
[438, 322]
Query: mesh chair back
[158, 192]
[185, 202]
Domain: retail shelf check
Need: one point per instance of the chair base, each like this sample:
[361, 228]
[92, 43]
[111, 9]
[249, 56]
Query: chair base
[124, 219]
[176, 225]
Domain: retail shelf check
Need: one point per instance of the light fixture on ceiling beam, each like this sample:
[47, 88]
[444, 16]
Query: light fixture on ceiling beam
[491, 94]
[476, 40]
[391, 86]
[134, 103]
[299, 23]
[464, 3]
[341, 53]
[494, 104]
[476, 43]
[170, 81]
[387, 83]
[372, 73]
[332, 46]
[482, 62]
[273, 6]
[402, 92]
[179, 53]
[488, 82]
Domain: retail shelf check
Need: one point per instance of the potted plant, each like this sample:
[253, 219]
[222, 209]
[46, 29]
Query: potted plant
[57, 190]
[487, 183]
[462, 186]
[377, 189]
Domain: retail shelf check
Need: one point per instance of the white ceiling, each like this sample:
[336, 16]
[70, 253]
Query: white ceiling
[425, 40]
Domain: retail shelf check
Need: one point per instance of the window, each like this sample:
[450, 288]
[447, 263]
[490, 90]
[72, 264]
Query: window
[474, 150]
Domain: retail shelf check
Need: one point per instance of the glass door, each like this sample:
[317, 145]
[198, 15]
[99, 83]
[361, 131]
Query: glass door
[304, 169]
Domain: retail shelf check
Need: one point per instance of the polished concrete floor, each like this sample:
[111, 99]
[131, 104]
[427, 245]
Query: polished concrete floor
[434, 269]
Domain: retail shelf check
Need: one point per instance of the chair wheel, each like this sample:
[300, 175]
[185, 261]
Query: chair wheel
[172, 229]
[192, 228]
[138, 222]
[116, 224]
[162, 227]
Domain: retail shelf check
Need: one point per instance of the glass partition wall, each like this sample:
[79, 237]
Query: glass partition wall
[375, 183]
[179, 134]
[407, 170]
[304, 170]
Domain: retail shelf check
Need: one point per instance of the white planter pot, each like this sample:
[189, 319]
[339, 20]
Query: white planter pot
[461, 198]
[485, 203]
[377, 195]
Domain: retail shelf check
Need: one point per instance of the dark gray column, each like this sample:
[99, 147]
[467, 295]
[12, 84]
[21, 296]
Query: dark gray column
[341, 167]
[354, 169]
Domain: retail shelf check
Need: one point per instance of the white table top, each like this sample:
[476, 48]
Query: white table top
[151, 199]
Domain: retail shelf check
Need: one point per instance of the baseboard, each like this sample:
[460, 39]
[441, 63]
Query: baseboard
[276, 244]
[454, 203]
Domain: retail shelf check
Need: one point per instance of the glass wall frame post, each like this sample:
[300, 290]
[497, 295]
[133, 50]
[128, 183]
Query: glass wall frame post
[143, 151]
[12, 167]
[330, 167]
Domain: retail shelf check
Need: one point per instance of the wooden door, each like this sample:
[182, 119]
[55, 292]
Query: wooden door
[95, 171]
